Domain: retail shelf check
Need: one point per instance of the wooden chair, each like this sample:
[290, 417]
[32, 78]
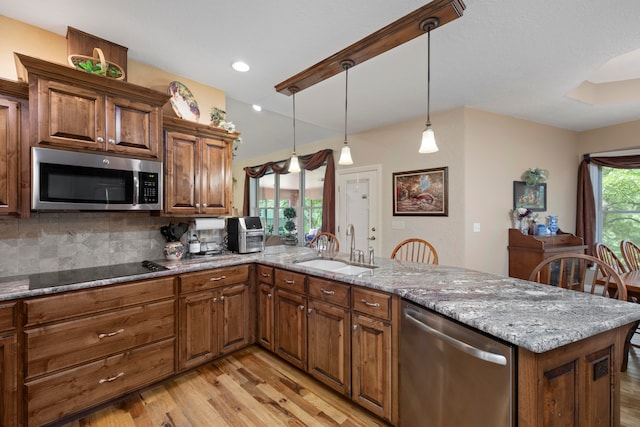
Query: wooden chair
[571, 271]
[631, 254]
[415, 250]
[325, 241]
[604, 253]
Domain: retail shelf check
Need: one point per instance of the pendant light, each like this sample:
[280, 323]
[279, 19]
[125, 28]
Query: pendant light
[428, 144]
[294, 165]
[345, 154]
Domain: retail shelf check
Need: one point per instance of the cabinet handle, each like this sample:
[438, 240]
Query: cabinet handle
[112, 141]
[309, 311]
[197, 205]
[301, 307]
[266, 275]
[204, 205]
[354, 327]
[222, 298]
[108, 380]
[110, 334]
[326, 292]
[289, 282]
[269, 295]
[100, 139]
[216, 279]
[369, 304]
[215, 299]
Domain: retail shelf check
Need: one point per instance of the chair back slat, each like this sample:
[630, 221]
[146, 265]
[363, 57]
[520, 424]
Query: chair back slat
[415, 250]
[606, 254]
[631, 254]
[325, 241]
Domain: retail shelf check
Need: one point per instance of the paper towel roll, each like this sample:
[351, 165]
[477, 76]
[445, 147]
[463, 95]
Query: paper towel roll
[209, 223]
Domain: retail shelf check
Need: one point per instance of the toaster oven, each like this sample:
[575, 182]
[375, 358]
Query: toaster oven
[245, 234]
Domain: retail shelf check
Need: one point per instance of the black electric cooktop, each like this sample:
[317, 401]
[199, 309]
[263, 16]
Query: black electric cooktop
[68, 277]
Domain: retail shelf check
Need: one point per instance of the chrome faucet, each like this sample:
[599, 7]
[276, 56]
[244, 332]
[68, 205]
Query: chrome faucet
[352, 233]
[371, 256]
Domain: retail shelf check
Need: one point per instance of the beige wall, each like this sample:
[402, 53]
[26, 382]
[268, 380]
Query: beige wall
[611, 138]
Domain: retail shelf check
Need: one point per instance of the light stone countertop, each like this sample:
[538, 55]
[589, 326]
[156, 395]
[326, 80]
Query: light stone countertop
[536, 317]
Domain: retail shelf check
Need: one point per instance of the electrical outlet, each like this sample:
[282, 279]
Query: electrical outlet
[476, 227]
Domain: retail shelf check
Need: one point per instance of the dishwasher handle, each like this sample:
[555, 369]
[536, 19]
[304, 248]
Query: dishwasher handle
[487, 356]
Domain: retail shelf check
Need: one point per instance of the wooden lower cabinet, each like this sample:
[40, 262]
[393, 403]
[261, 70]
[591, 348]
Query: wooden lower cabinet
[575, 385]
[266, 316]
[55, 396]
[83, 348]
[329, 349]
[8, 366]
[214, 321]
[291, 327]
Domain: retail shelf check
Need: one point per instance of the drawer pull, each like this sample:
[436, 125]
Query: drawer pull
[326, 292]
[266, 275]
[370, 304]
[215, 279]
[110, 334]
[108, 380]
[289, 282]
[222, 298]
[301, 307]
[269, 295]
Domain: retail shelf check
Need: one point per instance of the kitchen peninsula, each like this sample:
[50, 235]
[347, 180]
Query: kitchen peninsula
[569, 345]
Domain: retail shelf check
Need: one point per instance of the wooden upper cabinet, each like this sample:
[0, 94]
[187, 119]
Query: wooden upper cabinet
[79, 111]
[198, 168]
[14, 153]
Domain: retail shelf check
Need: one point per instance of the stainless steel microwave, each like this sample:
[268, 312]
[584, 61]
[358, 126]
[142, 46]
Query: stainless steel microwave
[69, 180]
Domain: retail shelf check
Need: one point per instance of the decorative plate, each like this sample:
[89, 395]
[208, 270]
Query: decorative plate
[183, 102]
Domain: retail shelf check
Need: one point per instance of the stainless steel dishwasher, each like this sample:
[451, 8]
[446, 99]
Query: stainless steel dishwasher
[452, 375]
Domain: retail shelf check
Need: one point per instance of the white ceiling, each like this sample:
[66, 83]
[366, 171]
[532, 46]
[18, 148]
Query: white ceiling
[514, 57]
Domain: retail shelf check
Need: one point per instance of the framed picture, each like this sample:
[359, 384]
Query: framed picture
[533, 197]
[421, 192]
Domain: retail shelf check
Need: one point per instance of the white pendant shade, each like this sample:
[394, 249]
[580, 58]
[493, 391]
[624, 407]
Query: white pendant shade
[428, 144]
[345, 156]
[294, 166]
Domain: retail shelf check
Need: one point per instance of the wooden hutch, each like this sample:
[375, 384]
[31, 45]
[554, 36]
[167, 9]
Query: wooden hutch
[527, 251]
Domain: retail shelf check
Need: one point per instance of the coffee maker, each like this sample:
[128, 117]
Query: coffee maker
[206, 236]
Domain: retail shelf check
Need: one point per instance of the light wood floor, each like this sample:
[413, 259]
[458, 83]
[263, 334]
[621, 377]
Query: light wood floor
[254, 388]
[251, 387]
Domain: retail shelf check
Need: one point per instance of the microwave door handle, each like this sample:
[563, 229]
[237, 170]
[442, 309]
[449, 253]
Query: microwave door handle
[136, 190]
[487, 356]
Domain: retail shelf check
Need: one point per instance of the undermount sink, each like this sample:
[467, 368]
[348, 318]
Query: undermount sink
[335, 266]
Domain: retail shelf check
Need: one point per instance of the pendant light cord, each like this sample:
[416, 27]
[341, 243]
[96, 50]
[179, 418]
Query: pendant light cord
[346, 93]
[429, 76]
[294, 122]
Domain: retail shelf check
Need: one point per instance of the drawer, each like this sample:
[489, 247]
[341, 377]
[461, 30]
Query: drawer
[265, 274]
[52, 397]
[7, 316]
[213, 278]
[80, 303]
[290, 280]
[371, 302]
[62, 345]
[329, 291]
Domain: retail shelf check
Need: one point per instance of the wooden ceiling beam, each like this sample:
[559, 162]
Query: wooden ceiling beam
[393, 35]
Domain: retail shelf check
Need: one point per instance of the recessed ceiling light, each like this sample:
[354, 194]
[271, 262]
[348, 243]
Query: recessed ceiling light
[256, 107]
[240, 66]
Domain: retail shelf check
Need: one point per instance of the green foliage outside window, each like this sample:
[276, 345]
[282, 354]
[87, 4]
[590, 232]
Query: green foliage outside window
[620, 206]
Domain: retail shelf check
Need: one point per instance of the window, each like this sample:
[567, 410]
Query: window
[273, 193]
[617, 196]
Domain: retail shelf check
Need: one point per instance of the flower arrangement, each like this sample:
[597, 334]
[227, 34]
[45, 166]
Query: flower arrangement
[521, 217]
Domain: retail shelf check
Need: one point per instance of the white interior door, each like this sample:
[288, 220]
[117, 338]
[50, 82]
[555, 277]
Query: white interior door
[358, 204]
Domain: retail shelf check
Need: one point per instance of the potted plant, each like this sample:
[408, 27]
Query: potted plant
[218, 115]
[290, 225]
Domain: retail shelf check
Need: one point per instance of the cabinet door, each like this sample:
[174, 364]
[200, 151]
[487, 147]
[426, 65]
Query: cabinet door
[182, 189]
[69, 116]
[198, 326]
[8, 380]
[329, 351]
[234, 317]
[291, 328]
[371, 365]
[265, 316]
[215, 177]
[9, 134]
[133, 128]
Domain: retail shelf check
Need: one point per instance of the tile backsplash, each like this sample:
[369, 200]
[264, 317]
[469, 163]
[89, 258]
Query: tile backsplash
[61, 241]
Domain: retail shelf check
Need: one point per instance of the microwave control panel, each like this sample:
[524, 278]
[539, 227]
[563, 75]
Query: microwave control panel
[148, 187]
